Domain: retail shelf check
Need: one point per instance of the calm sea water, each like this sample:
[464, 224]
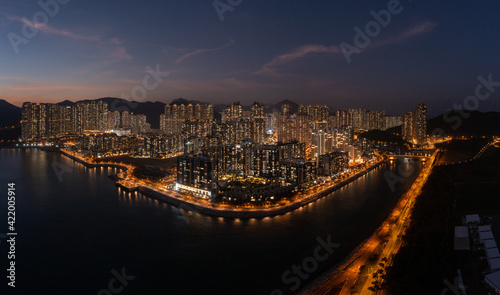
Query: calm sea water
[74, 227]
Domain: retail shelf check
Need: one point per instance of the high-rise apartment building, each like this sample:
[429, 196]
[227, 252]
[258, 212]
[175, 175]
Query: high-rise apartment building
[257, 110]
[196, 174]
[376, 120]
[114, 120]
[317, 144]
[414, 125]
[343, 118]
[392, 121]
[266, 161]
[172, 121]
[420, 125]
[41, 121]
[359, 119]
[234, 111]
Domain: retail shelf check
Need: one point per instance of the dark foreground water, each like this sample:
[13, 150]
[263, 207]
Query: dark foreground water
[74, 228]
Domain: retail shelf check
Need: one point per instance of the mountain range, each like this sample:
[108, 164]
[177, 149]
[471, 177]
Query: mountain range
[10, 115]
[152, 110]
[459, 124]
[453, 123]
[277, 107]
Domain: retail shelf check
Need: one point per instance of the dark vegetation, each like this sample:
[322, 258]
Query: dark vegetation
[380, 137]
[453, 124]
[10, 116]
[458, 150]
[427, 257]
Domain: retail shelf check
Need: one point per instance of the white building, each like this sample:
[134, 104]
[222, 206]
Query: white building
[492, 253]
[493, 280]
[485, 235]
[472, 219]
[488, 244]
[482, 228]
[462, 238]
[494, 264]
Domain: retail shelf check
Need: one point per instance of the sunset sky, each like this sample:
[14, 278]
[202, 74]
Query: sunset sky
[267, 51]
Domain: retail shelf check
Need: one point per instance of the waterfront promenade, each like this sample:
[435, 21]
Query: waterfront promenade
[206, 207]
[210, 209]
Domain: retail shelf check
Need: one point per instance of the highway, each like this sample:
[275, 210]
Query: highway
[386, 241]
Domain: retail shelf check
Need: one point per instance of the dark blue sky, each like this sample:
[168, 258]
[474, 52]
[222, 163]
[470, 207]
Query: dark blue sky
[431, 52]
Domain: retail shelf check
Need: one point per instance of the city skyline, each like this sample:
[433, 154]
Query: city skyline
[287, 121]
[300, 58]
[288, 148]
[250, 147]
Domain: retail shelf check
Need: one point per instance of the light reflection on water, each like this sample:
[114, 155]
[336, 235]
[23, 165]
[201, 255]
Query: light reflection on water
[167, 247]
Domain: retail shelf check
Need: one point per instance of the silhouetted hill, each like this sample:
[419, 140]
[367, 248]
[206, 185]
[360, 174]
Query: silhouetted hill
[217, 108]
[152, 110]
[477, 123]
[9, 135]
[185, 101]
[454, 124]
[66, 103]
[394, 130]
[10, 115]
[220, 107]
[382, 136]
[277, 107]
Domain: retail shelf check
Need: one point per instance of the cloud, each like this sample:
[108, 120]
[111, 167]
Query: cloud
[412, 32]
[113, 48]
[419, 29]
[48, 87]
[119, 54]
[49, 30]
[15, 78]
[200, 51]
[213, 86]
[53, 87]
[29, 85]
[115, 41]
[270, 67]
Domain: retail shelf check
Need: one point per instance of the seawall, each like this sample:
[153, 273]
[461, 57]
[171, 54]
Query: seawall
[248, 213]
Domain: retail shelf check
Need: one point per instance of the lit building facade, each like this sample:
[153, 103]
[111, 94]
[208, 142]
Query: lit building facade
[42, 121]
[414, 125]
[196, 175]
[332, 163]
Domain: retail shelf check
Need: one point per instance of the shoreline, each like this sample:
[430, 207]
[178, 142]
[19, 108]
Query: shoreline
[213, 211]
[340, 267]
[87, 164]
[10, 147]
[250, 213]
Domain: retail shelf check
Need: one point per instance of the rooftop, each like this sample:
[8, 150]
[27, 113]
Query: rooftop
[494, 279]
[484, 228]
